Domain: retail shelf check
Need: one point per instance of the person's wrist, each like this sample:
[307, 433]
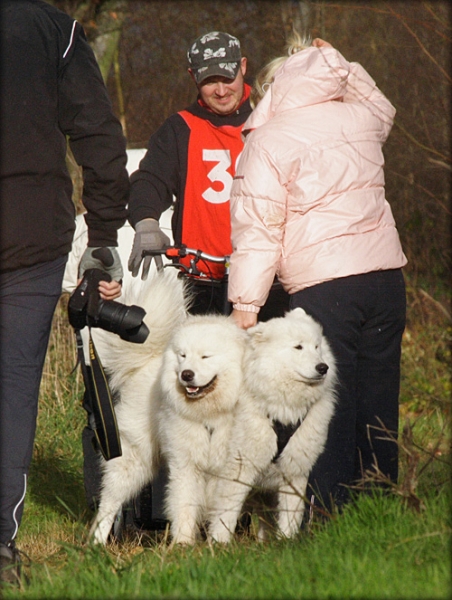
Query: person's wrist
[145, 225]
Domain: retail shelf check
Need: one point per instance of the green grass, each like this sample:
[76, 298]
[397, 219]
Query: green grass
[378, 548]
[382, 546]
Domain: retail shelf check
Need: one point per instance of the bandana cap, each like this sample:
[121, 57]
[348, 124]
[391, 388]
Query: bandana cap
[215, 53]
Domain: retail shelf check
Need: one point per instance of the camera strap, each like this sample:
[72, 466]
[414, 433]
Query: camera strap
[99, 402]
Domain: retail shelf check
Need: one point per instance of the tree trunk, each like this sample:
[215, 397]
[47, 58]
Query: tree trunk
[109, 21]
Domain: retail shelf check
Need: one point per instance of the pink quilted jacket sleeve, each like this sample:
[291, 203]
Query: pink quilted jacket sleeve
[363, 89]
[258, 208]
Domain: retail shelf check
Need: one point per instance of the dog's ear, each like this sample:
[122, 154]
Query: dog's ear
[256, 334]
[300, 313]
[296, 312]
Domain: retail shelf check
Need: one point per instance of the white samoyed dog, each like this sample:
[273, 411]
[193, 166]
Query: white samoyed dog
[177, 395]
[133, 370]
[199, 390]
[289, 389]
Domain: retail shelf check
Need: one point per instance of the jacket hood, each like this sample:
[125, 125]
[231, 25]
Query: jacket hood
[311, 76]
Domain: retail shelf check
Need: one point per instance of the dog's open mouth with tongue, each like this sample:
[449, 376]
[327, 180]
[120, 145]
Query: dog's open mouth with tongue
[196, 392]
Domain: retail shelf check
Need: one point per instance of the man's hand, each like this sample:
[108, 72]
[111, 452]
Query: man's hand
[148, 236]
[109, 290]
[244, 319]
[107, 259]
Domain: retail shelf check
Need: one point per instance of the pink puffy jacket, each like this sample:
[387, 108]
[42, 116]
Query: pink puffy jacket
[308, 200]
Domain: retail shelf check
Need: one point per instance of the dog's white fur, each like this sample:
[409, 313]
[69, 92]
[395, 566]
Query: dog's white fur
[200, 384]
[133, 370]
[203, 393]
[177, 395]
[284, 380]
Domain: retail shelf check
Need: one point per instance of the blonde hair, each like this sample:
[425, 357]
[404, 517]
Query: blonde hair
[295, 43]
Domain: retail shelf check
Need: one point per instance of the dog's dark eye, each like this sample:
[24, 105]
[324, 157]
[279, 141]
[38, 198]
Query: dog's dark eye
[181, 354]
[299, 347]
[205, 356]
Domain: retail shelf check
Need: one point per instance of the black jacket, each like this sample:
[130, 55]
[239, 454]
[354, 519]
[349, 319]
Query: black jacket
[162, 174]
[51, 90]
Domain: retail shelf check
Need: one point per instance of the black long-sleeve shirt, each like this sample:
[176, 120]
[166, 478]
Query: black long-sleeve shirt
[52, 91]
[162, 176]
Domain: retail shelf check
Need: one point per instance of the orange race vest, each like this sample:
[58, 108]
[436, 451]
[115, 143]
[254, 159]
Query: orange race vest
[211, 163]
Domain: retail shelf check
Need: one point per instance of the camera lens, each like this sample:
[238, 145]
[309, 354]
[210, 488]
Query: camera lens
[126, 321]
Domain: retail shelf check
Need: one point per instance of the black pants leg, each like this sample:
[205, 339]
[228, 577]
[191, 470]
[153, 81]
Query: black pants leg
[28, 298]
[363, 317]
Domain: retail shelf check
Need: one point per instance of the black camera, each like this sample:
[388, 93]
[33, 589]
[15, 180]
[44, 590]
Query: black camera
[87, 308]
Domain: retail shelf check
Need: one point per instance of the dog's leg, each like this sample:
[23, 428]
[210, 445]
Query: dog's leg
[102, 524]
[226, 512]
[255, 446]
[297, 461]
[122, 480]
[185, 503]
[232, 490]
[291, 506]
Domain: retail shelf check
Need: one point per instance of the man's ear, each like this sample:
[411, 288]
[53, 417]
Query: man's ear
[243, 62]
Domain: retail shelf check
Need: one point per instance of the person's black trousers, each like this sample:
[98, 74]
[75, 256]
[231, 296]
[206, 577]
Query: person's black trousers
[28, 298]
[363, 318]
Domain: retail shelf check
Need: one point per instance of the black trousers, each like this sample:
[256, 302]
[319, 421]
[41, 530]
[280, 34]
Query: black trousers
[363, 317]
[28, 298]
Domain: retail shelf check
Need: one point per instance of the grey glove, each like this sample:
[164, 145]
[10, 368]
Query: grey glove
[106, 258]
[148, 236]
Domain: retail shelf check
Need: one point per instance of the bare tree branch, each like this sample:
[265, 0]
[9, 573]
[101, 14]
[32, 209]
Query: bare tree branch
[420, 145]
[421, 45]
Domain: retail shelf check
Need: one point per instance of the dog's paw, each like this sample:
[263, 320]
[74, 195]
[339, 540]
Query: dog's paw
[99, 532]
[183, 537]
[219, 534]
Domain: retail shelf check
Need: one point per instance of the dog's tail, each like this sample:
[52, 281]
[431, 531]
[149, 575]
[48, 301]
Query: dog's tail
[165, 300]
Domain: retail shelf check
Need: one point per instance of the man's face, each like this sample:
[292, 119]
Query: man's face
[223, 95]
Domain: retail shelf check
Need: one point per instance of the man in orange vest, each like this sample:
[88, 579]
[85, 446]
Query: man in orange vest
[190, 164]
[191, 161]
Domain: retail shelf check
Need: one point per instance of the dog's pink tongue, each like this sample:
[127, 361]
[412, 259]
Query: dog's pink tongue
[192, 390]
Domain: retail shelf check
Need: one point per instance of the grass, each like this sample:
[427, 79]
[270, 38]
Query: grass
[382, 546]
[378, 548]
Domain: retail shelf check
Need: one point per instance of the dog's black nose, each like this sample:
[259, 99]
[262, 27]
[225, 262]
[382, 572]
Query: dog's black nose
[321, 368]
[188, 375]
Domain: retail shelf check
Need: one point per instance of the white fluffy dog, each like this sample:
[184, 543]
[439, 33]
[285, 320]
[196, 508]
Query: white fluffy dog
[133, 371]
[177, 395]
[200, 384]
[289, 377]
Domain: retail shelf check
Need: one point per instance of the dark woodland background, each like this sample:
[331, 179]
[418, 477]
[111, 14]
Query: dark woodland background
[141, 46]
